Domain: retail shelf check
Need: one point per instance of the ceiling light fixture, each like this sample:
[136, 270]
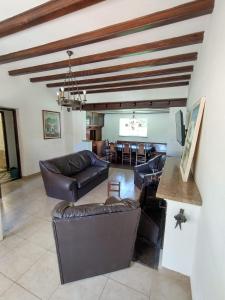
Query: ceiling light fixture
[65, 99]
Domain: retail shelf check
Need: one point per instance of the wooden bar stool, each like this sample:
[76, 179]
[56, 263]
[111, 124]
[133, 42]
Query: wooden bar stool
[114, 186]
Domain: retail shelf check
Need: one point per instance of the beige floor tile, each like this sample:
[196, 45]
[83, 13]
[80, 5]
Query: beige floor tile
[29, 228]
[43, 238]
[3, 251]
[11, 241]
[170, 287]
[137, 277]
[13, 265]
[5, 283]
[17, 293]
[116, 291]
[87, 289]
[43, 277]
[29, 250]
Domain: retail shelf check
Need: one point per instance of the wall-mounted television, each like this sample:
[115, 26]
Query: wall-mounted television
[180, 127]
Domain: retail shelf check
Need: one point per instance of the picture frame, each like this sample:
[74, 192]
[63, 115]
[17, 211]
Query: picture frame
[51, 124]
[191, 138]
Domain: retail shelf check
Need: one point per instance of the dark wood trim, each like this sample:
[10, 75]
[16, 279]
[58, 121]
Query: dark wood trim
[17, 142]
[16, 137]
[5, 139]
[42, 13]
[131, 83]
[168, 71]
[165, 44]
[116, 68]
[139, 87]
[172, 15]
[161, 103]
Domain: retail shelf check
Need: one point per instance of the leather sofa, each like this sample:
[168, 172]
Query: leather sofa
[145, 172]
[94, 239]
[71, 176]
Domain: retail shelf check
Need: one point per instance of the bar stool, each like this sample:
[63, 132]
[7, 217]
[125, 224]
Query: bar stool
[126, 153]
[140, 153]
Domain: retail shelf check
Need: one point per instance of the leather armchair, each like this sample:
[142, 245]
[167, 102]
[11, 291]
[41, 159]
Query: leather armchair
[71, 176]
[145, 172]
[94, 239]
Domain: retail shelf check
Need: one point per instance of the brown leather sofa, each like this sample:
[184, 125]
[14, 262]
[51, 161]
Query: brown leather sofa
[145, 172]
[71, 176]
[94, 239]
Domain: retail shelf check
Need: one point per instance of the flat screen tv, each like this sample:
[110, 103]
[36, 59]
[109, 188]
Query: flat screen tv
[180, 128]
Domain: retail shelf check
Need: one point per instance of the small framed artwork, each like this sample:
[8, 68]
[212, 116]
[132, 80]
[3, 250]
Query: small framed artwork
[191, 138]
[51, 124]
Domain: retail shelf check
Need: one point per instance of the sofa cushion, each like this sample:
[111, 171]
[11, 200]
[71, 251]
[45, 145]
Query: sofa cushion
[87, 175]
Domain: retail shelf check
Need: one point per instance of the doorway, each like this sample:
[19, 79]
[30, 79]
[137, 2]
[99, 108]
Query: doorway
[10, 168]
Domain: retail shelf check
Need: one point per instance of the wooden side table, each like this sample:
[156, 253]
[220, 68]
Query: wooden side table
[114, 186]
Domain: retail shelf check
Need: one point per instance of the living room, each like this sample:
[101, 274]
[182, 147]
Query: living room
[28, 262]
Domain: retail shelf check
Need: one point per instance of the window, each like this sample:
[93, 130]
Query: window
[133, 127]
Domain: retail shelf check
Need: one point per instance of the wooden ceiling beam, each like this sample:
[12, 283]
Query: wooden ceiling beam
[139, 87]
[132, 83]
[43, 13]
[116, 68]
[162, 103]
[168, 71]
[175, 14]
[181, 41]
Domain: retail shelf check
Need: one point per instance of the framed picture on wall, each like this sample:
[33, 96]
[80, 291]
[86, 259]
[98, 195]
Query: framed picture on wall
[191, 138]
[51, 124]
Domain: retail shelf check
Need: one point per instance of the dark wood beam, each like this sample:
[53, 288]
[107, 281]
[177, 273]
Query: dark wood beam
[139, 87]
[116, 68]
[131, 83]
[170, 43]
[162, 103]
[41, 14]
[185, 69]
[175, 14]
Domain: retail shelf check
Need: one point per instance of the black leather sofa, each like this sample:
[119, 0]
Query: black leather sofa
[94, 239]
[71, 176]
[145, 172]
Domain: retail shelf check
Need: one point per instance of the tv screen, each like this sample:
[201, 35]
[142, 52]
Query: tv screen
[180, 128]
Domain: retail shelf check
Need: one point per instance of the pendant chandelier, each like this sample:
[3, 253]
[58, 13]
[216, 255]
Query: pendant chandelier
[64, 97]
[134, 123]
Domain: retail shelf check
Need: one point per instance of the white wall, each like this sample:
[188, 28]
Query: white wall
[157, 127]
[161, 129]
[208, 275]
[29, 101]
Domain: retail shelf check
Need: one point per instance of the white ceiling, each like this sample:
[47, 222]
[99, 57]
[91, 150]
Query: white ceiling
[100, 15]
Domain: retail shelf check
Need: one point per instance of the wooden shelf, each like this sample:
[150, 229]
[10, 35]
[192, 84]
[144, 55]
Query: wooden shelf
[172, 187]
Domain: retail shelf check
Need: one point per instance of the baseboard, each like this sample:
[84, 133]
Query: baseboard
[31, 175]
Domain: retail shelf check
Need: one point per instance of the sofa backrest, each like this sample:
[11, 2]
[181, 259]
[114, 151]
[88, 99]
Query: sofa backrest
[71, 164]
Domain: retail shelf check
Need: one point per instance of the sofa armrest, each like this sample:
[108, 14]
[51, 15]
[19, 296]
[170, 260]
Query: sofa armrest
[59, 186]
[101, 163]
[148, 177]
[142, 168]
[64, 182]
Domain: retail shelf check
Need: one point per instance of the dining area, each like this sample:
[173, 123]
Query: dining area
[129, 153]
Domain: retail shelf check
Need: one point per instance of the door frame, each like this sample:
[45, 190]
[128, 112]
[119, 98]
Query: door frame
[16, 137]
[5, 140]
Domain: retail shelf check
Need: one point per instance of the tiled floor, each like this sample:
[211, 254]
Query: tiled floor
[28, 263]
